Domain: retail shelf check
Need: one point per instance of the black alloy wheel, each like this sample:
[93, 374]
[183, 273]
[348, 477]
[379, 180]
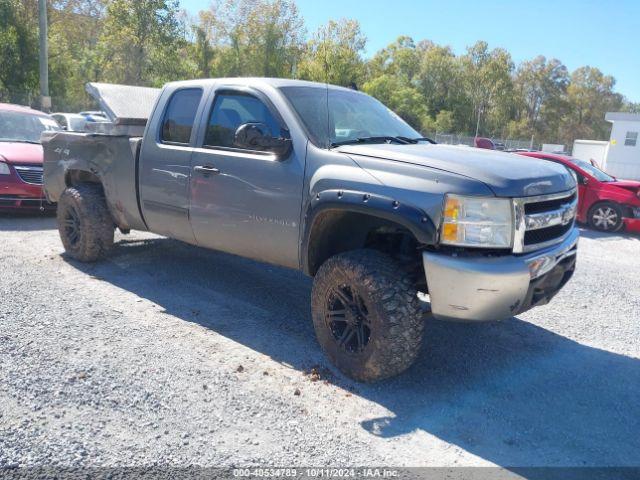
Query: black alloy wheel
[347, 318]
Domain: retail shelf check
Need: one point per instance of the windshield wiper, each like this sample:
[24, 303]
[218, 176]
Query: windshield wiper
[18, 140]
[419, 139]
[375, 139]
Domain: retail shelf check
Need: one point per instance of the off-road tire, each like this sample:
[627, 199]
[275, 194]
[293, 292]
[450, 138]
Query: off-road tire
[85, 225]
[602, 208]
[393, 311]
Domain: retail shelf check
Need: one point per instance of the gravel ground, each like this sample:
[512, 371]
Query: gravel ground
[170, 354]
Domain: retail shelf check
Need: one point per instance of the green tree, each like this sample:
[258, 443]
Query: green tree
[445, 121]
[400, 97]
[74, 30]
[334, 54]
[541, 87]
[590, 96]
[149, 42]
[440, 81]
[393, 79]
[400, 58]
[203, 53]
[255, 37]
[18, 51]
[489, 85]
[142, 41]
[631, 107]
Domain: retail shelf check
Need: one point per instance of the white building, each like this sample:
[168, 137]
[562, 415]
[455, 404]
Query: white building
[623, 156]
[591, 150]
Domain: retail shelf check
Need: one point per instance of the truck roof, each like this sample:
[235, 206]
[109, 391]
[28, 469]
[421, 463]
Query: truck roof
[257, 81]
[116, 100]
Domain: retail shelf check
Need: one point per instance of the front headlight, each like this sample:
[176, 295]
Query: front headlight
[4, 168]
[485, 222]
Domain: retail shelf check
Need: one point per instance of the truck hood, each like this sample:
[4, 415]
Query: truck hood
[21, 153]
[506, 174]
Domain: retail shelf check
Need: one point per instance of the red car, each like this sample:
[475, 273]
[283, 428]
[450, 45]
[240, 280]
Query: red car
[604, 202]
[21, 156]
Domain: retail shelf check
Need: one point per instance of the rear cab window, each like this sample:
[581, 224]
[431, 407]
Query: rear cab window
[179, 116]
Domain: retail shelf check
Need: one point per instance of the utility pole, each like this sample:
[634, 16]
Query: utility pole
[45, 99]
[478, 122]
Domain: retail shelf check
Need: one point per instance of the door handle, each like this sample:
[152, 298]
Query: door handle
[206, 170]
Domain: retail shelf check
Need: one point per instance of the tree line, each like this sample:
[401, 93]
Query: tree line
[150, 42]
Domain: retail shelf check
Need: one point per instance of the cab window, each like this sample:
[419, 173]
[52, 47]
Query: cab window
[230, 110]
[180, 115]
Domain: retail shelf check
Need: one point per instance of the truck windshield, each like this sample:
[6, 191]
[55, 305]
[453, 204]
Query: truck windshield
[24, 127]
[336, 116]
[593, 170]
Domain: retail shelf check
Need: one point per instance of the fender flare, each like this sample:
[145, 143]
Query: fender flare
[408, 216]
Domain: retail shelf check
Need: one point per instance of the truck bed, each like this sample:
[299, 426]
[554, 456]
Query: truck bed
[112, 159]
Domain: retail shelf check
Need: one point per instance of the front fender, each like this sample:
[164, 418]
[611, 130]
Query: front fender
[376, 205]
[617, 195]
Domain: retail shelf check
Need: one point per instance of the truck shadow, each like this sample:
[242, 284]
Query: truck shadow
[511, 393]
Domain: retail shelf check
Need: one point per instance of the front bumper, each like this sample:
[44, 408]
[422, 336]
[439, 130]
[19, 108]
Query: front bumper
[17, 194]
[632, 223]
[495, 288]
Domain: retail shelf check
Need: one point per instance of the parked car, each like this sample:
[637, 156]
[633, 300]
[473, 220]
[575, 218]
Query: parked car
[604, 202]
[488, 144]
[326, 180]
[78, 122]
[72, 122]
[485, 143]
[94, 116]
[21, 156]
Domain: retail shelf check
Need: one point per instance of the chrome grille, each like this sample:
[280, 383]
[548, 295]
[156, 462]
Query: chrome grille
[543, 220]
[30, 174]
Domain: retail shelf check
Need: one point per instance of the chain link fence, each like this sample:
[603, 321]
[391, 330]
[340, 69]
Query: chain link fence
[27, 98]
[500, 143]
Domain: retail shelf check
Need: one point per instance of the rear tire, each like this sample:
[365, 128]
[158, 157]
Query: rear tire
[606, 217]
[84, 222]
[367, 315]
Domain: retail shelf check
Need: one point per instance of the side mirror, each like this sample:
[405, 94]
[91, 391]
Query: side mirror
[584, 181]
[256, 136]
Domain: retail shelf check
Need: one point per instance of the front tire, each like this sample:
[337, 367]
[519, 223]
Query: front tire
[85, 225]
[606, 217]
[367, 315]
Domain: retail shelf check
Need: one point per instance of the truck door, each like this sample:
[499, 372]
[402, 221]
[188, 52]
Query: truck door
[165, 164]
[244, 201]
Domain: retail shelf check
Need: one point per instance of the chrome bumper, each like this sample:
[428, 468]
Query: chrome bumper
[494, 288]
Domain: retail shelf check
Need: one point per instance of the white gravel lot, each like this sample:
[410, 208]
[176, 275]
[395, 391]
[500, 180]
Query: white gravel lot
[170, 354]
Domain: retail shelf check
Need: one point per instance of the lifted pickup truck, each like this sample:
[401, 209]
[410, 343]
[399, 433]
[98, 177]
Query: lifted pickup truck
[329, 181]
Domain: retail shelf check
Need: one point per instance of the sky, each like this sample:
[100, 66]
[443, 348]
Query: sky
[603, 34]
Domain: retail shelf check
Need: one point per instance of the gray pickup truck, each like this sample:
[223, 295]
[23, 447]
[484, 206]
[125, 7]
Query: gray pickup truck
[329, 181]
